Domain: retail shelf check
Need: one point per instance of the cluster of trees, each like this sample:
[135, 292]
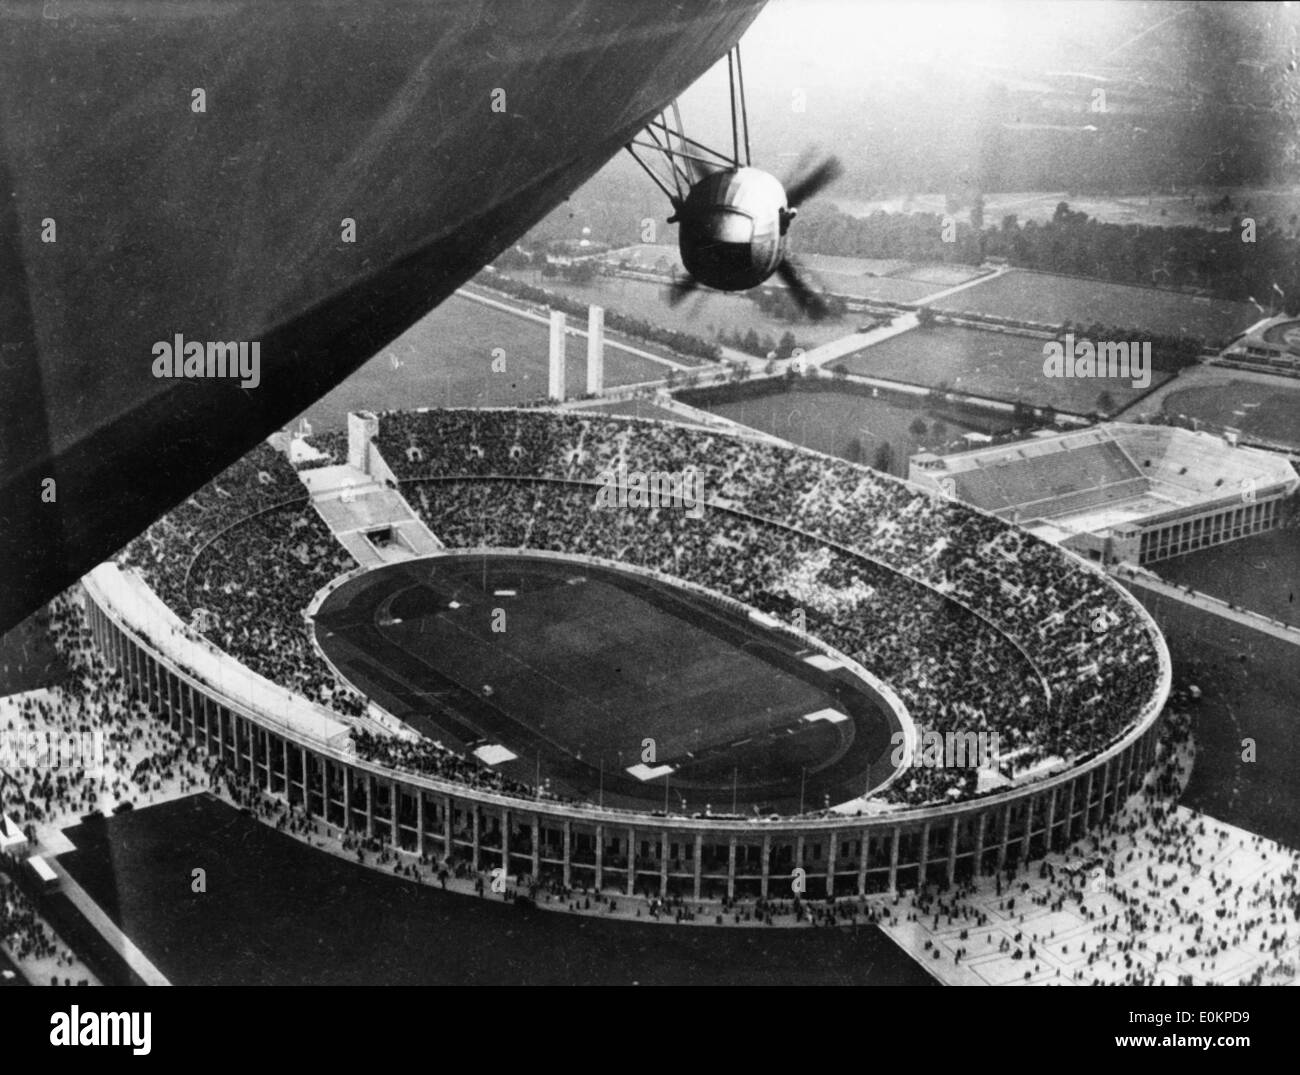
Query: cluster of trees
[1168, 353]
[575, 272]
[681, 342]
[760, 346]
[883, 459]
[1252, 258]
[519, 259]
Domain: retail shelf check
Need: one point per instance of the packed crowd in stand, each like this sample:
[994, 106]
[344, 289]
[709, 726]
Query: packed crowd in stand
[978, 626]
[239, 560]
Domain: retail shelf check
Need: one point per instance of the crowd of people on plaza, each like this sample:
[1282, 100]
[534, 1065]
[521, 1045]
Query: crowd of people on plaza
[978, 626]
[23, 933]
[1136, 881]
[140, 751]
[134, 755]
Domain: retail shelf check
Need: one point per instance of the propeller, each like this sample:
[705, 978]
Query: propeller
[812, 304]
[796, 193]
[681, 287]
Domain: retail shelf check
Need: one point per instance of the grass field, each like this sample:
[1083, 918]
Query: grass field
[1250, 682]
[584, 665]
[990, 364]
[446, 360]
[828, 421]
[1049, 299]
[1261, 573]
[280, 913]
[1268, 409]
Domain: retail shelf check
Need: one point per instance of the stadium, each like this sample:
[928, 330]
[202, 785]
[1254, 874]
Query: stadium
[1119, 492]
[772, 650]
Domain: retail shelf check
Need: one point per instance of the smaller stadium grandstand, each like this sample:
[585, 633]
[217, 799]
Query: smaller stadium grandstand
[1120, 492]
[1271, 346]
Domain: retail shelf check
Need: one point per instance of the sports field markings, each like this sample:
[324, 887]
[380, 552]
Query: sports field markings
[832, 716]
[644, 772]
[823, 663]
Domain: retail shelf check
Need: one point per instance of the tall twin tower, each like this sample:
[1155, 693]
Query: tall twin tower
[595, 353]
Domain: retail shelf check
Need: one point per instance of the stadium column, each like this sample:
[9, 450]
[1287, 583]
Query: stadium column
[1006, 834]
[831, 849]
[893, 859]
[446, 829]
[1087, 801]
[419, 822]
[505, 840]
[979, 843]
[284, 756]
[955, 822]
[394, 801]
[473, 809]
[864, 845]
[1105, 790]
[568, 851]
[347, 799]
[370, 806]
[1051, 820]
[600, 856]
[767, 864]
[537, 847]
[631, 861]
[1027, 835]
[731, 868]
[699, 864]
[663, 864]
[1069, 811]
[925, 855]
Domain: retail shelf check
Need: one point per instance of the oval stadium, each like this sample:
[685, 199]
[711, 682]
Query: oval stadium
[636, 656]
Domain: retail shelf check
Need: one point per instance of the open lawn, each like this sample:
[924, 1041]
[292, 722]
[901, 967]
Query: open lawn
[1260, 573]
[446, 360]
[1250, 682]
[1269, 409]
[993, 364]
[1051, 299]
[829, 421]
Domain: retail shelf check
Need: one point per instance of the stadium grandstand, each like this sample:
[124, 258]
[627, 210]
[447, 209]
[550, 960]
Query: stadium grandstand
[973, 625]
[1271, 346]
[1119, 492]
